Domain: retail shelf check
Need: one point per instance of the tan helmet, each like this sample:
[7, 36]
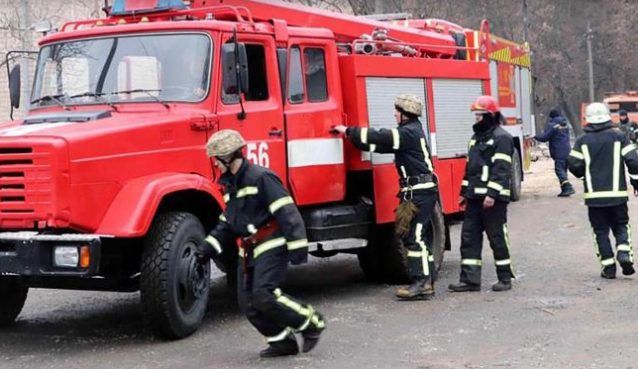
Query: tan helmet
[224, 143]
[409, 103]
[596, 113]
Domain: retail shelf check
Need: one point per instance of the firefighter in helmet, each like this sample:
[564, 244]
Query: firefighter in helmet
[260, 211]
[418, 188]
[485, 193]
[599, 157]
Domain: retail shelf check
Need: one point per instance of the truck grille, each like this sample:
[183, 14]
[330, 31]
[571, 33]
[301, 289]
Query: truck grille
[26, 185]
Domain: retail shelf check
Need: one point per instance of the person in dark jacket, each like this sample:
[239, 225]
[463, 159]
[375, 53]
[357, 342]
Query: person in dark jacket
[485, 194]
[260, 211]
[599, 157]
[418, 189]
[629, 127]
[557, 134]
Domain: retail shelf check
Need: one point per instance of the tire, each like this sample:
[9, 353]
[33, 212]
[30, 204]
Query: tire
[517, 177]
[12, 298]
[386, 259]
[174, 287]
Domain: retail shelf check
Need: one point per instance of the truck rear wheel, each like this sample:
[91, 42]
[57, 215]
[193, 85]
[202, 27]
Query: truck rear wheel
[174, 286]
[517, 177]
[386, 259]
[12, 298]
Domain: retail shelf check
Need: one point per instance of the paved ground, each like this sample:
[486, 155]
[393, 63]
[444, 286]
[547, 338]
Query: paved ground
[560, 314]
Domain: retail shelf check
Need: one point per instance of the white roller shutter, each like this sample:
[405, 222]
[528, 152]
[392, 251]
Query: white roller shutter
[453, 118]
[381, 93]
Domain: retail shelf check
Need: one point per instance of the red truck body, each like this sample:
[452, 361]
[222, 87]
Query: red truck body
[109, 171]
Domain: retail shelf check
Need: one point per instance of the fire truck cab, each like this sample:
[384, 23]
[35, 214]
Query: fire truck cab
[105, 184]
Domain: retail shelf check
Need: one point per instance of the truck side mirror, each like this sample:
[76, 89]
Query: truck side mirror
[14, 86]
[235, 68]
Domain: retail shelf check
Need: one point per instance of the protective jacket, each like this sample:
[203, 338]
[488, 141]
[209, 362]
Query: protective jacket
[489, 161]
[410, 147]
[257, 200]
[599, 157]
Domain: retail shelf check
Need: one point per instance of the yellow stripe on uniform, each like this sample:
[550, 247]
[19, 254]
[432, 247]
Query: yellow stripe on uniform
[364, 135]
[268, 245]
[629, 148]
[616, 168]
[298, 244]
[280, 337]
[424, 249]
[485, 175]
[395, 139]
[464, 183]
[577, 155]
[500, 156]
[428, 162]
[607, 262]
[588, 185]
[480, 190]
[476, 262]
[213, 242]
[603, 194]
[494, 186]
[280, 203]
[246, 191]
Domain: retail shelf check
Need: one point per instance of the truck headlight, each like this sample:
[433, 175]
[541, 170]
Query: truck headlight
[66, 256]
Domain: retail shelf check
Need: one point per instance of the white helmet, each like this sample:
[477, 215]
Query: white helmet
[597, 113]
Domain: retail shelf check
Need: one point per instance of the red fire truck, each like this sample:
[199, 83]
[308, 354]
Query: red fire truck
[105, 184]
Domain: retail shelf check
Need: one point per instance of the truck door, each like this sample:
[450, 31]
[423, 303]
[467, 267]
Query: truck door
[316, 167]
[263, 125]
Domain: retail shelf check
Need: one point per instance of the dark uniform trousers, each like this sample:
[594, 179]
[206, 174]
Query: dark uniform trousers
[419, 240]
[273, 313]
[603, 219]
[493, 222]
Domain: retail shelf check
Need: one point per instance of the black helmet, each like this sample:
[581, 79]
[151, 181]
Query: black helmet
[554, 113]
[622, 112]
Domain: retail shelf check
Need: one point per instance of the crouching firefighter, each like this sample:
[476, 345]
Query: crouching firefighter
[260, 211]
[418, 189]
[599, 158]
[485, 193]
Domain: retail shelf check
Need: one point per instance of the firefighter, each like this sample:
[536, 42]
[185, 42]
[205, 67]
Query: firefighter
[485, 193]
[629, 127]
[418, 189]
[260, 211]
[599, 158]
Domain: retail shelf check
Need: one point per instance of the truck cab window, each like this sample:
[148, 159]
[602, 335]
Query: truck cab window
[315, 69]
[257, 78]
[295, 77]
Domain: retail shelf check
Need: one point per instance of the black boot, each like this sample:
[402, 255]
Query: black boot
[625, 263]
[286, 347]
[566, 190]
[311, 334]
[608, 272]
[501, 286]
[420, 289]
[464, 287]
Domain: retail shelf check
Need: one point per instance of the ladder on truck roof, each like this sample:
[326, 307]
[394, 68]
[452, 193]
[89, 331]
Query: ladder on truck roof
[348, 28]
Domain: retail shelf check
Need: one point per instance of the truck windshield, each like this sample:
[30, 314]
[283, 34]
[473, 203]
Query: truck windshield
[142, 68]
[629, 106]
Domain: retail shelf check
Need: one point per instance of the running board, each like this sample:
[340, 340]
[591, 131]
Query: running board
[336, 245]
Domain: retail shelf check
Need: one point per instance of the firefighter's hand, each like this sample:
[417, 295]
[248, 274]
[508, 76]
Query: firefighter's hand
[204, 252]
[488, 202]
[340, 128]
[635, 192]
[462, 203]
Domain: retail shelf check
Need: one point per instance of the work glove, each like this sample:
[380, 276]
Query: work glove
[205, 251]
[298, 256]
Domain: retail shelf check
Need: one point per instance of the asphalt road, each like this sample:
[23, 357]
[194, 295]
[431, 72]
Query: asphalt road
[560, 313]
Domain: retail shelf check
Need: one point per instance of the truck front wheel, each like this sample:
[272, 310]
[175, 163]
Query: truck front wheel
[12, 298]
[174, 286]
